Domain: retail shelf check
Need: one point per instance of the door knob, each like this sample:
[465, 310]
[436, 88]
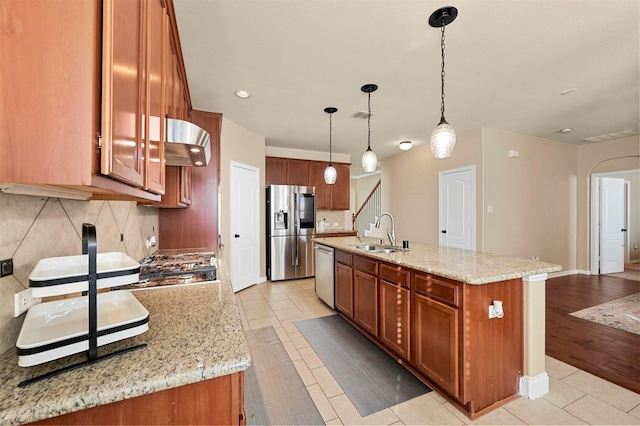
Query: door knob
[236, 236]
[444, 231]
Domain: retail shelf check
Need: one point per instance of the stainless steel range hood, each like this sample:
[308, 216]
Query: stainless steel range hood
[187, 144]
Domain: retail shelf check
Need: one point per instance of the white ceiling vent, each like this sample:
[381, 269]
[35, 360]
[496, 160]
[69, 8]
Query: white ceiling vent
[363, 114]
[612, 136]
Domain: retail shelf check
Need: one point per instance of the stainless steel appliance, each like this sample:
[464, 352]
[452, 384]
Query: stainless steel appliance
[325, 289]
[164, 270]
[290, 224]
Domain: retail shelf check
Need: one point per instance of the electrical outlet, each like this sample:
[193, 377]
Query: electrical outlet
[6, 267]
[24, 300]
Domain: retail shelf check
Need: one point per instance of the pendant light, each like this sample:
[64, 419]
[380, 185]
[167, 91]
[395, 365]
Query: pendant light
[330, 173]
[369, 158]
[443, 137]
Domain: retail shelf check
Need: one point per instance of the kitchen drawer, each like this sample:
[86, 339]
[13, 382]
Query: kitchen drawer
[344, 258]
[365, 265]
[443, 289]
[395, 274]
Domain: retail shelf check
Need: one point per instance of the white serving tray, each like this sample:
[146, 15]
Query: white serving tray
[55, 276]
[63, 322]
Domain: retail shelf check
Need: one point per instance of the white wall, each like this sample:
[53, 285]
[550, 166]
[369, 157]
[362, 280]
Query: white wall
[242, 146]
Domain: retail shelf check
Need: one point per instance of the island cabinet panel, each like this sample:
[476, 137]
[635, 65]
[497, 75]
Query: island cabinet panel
[492, 351]
[436, 343]
[365, 301]
[395, 319]
[214, 401]
[344, 289]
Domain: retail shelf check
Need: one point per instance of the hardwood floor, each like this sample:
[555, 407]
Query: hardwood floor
[611, 354]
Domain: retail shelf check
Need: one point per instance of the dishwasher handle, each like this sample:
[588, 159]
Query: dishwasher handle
[324, 249]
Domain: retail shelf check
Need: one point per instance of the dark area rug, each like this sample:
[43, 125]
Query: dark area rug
[370, 378]
[274, 393]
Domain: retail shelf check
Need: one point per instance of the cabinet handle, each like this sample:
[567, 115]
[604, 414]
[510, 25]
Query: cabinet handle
[236, 236]
[444, 231]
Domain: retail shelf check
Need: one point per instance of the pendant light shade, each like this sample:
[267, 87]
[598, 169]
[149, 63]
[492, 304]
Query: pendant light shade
[443, 137]
[369, 158]
[330, 173]
[369, 161]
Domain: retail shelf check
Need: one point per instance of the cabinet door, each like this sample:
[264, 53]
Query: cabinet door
[344, 289]
[297, 172]
[153, 115]
[323, 191]
[122, 91]
[275, 171]
[436, 342]
[365, 294]
[394, 318]
[340, 191]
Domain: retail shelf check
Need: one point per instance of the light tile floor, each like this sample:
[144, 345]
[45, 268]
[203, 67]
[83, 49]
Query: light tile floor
[575, 397]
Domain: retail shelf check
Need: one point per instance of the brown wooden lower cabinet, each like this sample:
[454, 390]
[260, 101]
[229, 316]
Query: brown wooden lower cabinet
[438, 328]
[365, 301]
[436, 343]
[215, 401]
[344, 289]
[395, 320]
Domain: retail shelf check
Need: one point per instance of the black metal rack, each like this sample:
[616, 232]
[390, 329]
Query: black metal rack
[90, 248]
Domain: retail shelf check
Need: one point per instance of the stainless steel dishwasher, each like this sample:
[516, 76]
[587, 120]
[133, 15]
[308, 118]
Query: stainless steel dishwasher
[324, 274]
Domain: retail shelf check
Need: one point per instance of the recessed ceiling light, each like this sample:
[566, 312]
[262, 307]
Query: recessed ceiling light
[566, 92]
[405, 145]
[566, 130]
[242, 94]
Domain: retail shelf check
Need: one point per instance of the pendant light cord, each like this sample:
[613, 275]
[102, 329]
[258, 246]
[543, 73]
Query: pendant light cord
[330, 115]
[442, 73]
[369, 124]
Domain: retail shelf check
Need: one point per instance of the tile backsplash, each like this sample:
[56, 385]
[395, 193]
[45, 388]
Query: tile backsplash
[32, 228]
[341, 219]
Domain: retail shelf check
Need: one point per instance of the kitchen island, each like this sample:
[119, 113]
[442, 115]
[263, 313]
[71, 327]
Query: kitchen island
[469, 324]
[191, 371]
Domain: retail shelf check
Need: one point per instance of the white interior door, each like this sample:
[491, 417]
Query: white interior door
[457, 199]
[245, 226]
[612, 225]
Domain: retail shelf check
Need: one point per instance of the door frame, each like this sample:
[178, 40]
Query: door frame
[594, 266]
[472, 169]
[232, 218]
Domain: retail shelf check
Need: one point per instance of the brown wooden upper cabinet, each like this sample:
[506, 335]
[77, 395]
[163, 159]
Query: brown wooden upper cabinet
[286, 171]
[86, 80]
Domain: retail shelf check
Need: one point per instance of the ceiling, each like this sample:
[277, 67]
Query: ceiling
[507, 63]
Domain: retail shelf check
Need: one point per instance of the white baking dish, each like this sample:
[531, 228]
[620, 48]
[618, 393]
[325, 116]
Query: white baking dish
[60, 328]
[69, 274]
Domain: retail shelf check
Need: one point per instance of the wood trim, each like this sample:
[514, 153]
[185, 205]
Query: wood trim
[214, 401]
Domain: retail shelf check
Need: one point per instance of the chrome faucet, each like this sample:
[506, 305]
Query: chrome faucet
[392, 234]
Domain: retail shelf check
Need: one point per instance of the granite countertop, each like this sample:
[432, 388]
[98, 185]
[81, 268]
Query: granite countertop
[472, 267]
[195, 334]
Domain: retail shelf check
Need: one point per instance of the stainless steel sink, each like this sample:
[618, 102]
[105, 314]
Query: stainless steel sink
[384, 250]
[378, 248]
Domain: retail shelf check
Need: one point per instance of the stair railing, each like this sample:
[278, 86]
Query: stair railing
[370, 210]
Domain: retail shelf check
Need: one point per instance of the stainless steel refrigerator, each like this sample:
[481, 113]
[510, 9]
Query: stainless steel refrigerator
[290, 224]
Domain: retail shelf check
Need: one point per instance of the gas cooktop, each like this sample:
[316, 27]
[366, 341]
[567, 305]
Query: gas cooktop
[171, 270]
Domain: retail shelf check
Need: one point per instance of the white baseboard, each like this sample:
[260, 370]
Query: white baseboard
[534, 387]
[568, 272]
[261, 279]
